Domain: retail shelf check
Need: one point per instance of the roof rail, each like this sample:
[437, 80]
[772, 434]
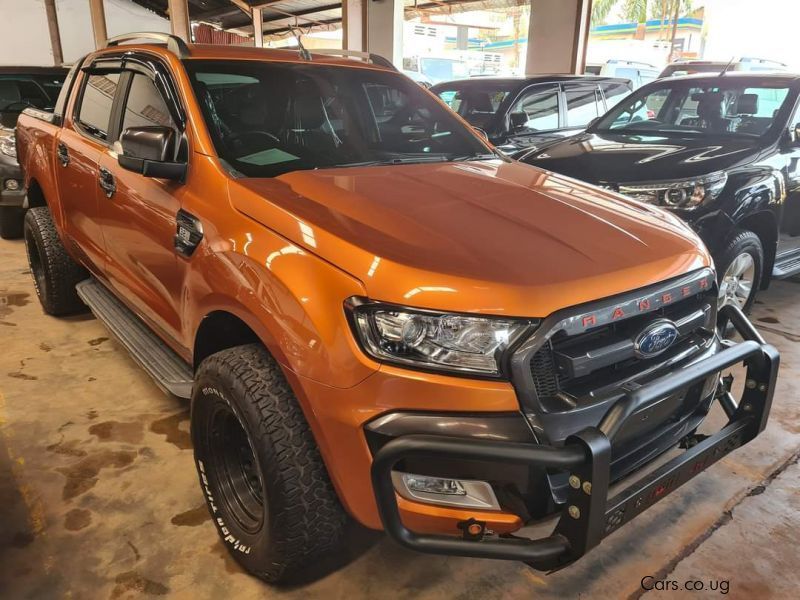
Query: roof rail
[375, 59]
[174, 44]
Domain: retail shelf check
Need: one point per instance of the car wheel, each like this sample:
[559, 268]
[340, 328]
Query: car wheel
[54, 272]
[11, 222]
[739, 270]
[262, 475]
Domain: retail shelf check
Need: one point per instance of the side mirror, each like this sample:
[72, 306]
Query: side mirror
[518, 120]
[481, 133]
[593, 122]
[795, 134]
[148, 150]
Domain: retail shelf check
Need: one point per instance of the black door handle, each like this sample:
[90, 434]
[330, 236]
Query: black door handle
[107, 182]
[63, 154]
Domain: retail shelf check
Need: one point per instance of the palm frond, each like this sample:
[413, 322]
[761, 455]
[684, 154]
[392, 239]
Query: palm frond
[601, 10]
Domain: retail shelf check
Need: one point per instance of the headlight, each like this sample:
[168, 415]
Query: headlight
[8, 145]
[429, 340]
[682, 193]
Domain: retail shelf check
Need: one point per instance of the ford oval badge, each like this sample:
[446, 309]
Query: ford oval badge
[655, 338]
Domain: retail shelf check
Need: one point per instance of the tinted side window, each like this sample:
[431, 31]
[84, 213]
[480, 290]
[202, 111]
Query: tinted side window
[582, 106]
[94, 112]
[541, 108]
[145, 106]
[614, 92]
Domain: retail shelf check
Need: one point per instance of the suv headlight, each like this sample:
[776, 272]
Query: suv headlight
[426, 339]
[8, 145]
[680, 193]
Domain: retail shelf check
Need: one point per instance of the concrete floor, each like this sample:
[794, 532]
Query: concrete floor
[99, 497]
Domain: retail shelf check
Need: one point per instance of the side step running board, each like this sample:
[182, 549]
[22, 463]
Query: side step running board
[786, 264]
[168, 369]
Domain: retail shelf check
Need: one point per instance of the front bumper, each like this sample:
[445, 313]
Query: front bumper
[14, 198]
[589, 515]
[9, 169]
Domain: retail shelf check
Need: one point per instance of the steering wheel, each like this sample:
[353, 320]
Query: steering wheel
[241, 138]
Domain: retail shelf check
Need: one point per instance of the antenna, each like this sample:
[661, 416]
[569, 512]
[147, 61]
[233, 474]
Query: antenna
[728, 66]
[304, 54]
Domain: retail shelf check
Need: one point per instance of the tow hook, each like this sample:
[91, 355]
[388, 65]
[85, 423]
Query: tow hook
[472, 529]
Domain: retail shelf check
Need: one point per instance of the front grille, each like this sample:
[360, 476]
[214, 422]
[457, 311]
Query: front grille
[552, 377]
[544, 373]
[588, 355]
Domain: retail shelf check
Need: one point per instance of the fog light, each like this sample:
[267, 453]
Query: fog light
[12, 185]
[466, 493]
[434, 485]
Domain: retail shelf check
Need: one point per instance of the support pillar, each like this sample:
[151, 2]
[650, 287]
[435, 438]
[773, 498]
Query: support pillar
[258, 28]
[98, 13]
[179, 19]
[385, 29]
[557, 36]
[354, 25]
[55, 33]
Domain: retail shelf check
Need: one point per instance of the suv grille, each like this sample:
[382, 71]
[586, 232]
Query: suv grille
[589, 356]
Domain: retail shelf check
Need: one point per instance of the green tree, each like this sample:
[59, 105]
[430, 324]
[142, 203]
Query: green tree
[638, 11]
[630, 10]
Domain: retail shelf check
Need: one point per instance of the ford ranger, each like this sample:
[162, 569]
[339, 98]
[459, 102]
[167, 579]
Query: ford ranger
[374, 313]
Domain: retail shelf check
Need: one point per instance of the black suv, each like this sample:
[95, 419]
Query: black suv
[20, 88]
[523, 113]
[722, 151]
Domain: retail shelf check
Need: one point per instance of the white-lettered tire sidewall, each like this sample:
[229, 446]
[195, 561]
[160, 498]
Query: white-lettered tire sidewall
[252, 551]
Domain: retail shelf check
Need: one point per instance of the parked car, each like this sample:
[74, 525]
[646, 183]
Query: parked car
[20, 87]
[638, 73]
[419, 78]
[523, 112]
[435, 68]
[721, 152]
[748, 64]
[371, 310]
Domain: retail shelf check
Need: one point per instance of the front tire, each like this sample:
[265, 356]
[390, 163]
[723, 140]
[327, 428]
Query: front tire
[54, 272]
[740, 267]
[262, 475]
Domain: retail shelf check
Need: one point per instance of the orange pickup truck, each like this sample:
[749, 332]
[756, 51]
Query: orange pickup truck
[373, 312]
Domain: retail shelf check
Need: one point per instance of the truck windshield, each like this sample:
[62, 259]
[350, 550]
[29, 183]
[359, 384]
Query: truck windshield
[700, 107]
[270, 118]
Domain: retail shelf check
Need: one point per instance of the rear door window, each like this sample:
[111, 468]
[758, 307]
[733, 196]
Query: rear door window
[583, 105]
[614, 92]
[94, 112]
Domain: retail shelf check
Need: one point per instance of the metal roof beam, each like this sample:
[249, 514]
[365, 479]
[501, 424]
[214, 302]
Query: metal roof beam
[301, 13]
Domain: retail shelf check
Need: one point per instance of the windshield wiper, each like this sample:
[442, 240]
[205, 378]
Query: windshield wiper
[475, 156]
[393, 161]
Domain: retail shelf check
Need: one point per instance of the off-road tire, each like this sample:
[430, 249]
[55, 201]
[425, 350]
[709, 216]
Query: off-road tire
[743, 241]
[301, 517]
[54, 272]
[11, 222]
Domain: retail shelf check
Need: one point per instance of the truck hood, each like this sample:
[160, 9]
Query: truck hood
[616, 158]
[493, 237]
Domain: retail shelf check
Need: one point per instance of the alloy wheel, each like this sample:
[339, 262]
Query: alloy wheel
[738, 282]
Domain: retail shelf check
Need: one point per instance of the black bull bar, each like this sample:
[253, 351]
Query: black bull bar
[589, 515]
